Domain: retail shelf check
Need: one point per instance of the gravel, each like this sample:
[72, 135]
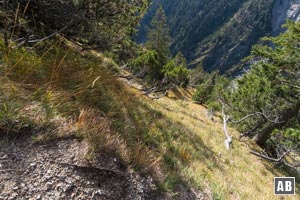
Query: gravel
[59, 170]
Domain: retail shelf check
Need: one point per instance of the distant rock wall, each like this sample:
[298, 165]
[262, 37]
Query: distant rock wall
[283, 10]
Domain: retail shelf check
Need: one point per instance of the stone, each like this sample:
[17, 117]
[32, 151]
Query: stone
[59, 186]
[16, 188]
[13, 196]
[49, 185]
[69, 188]
[32, 164]
[98, 192]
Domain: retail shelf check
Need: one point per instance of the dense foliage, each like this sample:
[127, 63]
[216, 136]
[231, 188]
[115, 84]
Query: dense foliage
[155, 61]
[267, 97]
[147, 63]
[98, 23]
[176, 70]
[210, 88]
[158, 36]
[272, 85]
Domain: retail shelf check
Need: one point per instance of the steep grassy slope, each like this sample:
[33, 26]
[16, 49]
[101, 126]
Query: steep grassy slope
[233, 174]
[214, 34]
[171, 140]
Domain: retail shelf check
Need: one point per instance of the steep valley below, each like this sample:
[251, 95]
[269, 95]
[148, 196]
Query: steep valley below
[217, 35]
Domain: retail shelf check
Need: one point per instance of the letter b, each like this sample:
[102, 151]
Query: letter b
[288, 186]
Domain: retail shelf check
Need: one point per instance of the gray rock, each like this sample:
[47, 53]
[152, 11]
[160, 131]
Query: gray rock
[98, 192]
[38, 197]
[69, 188]
[59, 186]
[16, 188]
[48, 186]
[32, 164]
[13, 196]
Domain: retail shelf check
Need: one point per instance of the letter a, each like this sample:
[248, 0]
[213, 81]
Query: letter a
[280, 186]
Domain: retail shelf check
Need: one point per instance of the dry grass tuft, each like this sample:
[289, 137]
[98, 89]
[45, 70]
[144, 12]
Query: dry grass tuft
[146, 161]
[97, 130]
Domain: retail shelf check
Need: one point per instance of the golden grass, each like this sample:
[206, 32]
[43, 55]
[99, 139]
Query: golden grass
[181, 93]
[236, 174]
[170, 139]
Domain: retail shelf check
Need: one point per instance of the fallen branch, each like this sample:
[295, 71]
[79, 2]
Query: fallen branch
[160, 88]
[128, 77]
[152, 90]
[251, 130]
[93, 84]
[42, 39]
[49, 36]
[158, 97]
[295, 167]
[280, 159]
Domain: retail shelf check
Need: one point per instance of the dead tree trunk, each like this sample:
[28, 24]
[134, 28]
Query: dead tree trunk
[284, 117]
[228, 139]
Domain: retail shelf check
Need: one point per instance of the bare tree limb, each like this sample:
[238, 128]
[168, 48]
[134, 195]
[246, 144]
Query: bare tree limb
[251, 130]
[278, 160]
[228, 139]
[256, 114]
[49, 36]
[269, 158]
[295, 167]
[290, 84]
[158, 97]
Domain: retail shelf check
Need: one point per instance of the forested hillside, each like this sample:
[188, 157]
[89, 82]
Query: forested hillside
[218, 34]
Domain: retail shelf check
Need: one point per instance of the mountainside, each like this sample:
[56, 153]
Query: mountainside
[218, 34]
[90, 135]
[283, 10]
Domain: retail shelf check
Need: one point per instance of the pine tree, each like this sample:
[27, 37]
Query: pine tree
[269, 93]
[101, 24]
[176, 71]
[158, 36]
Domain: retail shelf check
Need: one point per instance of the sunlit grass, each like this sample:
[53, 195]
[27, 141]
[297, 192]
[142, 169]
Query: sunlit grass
[234, 174]
[170, 139]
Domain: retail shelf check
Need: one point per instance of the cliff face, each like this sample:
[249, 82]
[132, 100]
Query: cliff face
[283, 10]
[217, 35]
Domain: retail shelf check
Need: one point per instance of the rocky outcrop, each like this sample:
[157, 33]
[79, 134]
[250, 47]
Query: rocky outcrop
[283, 10]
